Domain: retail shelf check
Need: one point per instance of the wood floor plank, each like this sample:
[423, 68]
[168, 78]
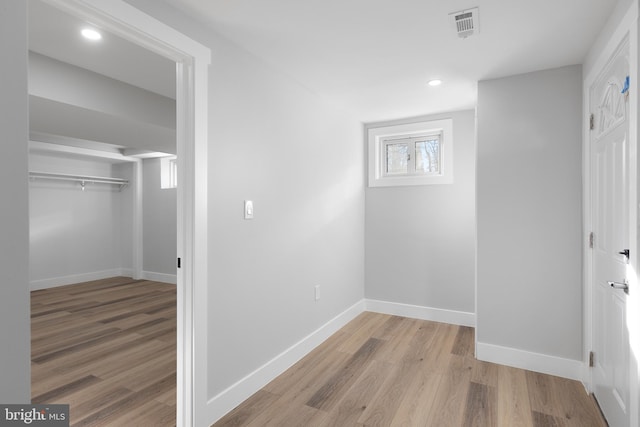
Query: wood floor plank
[393, 350]
[106, 348]
[417, 402]
[92, 399]
[421, 343]
[389, 329]
[130, 403]
[360, 396]
[310, 367]
[464, 342]
[65, 389]
[438, 358]
[481, 406]
[43, 347]
[514, 409]
[303, 416]
[451, 398]
[577, 408]
[388, 398]
[363, 333]
[251, 408]
[545, 420]
[298, 393]
[150, 413]
[327, 396]
[485, 373]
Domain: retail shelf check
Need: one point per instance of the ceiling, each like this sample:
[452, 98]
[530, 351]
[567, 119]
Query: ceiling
[374, 57]
[371, 57]
[116, 95]
[55, 34]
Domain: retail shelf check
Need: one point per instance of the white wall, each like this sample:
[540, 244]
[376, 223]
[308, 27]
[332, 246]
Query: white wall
[126, 217]
[73, 102]
[529, 280]
[14, 217]
[301, 162]
[75, 235]
[159, 225]
[68, 84]
[420, 240]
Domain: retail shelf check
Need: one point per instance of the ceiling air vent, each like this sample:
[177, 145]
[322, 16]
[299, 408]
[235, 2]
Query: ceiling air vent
[465, 22]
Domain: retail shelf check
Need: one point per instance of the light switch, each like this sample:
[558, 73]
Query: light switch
[248, 209]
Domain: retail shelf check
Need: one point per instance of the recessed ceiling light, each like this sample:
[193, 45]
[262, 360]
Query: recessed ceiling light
[435, 82]
[91, 34]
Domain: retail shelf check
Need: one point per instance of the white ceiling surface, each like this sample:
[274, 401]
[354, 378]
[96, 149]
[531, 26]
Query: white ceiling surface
[55, 34]
[114, 95]
[374, 57]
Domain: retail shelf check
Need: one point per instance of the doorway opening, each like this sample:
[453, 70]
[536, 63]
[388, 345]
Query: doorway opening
[191, 59]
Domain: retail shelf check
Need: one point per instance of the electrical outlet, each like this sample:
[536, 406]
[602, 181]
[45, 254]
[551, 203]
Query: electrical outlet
[317, 290]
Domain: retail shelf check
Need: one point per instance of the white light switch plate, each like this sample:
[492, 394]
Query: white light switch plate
[248, 209]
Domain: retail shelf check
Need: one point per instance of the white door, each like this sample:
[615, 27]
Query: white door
[609, 186]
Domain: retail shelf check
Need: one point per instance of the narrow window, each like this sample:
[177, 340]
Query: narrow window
[168, 172]
[411, 154]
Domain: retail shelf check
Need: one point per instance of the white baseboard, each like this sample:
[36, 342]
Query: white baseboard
[453, 317]
[228, 399]
[160, 277]
[543, 363]
[53, 282]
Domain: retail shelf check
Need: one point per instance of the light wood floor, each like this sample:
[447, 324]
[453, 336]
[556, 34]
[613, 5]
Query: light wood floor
[384, 370]
[108, 349]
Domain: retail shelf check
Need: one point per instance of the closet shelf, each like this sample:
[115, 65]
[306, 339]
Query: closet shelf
[82, 179]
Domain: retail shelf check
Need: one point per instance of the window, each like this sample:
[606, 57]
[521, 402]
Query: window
[169, 172]
[411, 154]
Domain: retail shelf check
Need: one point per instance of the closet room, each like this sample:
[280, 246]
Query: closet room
[102, 166]
[102, 219]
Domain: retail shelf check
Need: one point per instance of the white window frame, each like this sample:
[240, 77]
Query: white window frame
[168, 172]
[380, 137]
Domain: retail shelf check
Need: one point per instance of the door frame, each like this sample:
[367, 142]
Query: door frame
[628, 27]
[193, 60]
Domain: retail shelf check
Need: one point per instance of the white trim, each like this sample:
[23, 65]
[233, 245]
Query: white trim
[38, 146]
[72, 279]
[545, 364]
[633, 303]
[453, 317]
[160, 277]
[192, 62]
[623, 28]
[228, 399]
[136, 224]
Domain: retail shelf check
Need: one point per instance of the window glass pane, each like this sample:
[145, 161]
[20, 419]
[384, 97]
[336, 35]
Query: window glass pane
[168, 172]
[397, 158]
[173, 173]
[428, 156]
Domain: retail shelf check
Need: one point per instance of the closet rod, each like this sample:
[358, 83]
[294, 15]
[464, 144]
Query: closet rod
[80, 178]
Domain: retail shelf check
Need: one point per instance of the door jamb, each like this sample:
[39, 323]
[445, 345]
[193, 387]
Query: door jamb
[192, 61]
